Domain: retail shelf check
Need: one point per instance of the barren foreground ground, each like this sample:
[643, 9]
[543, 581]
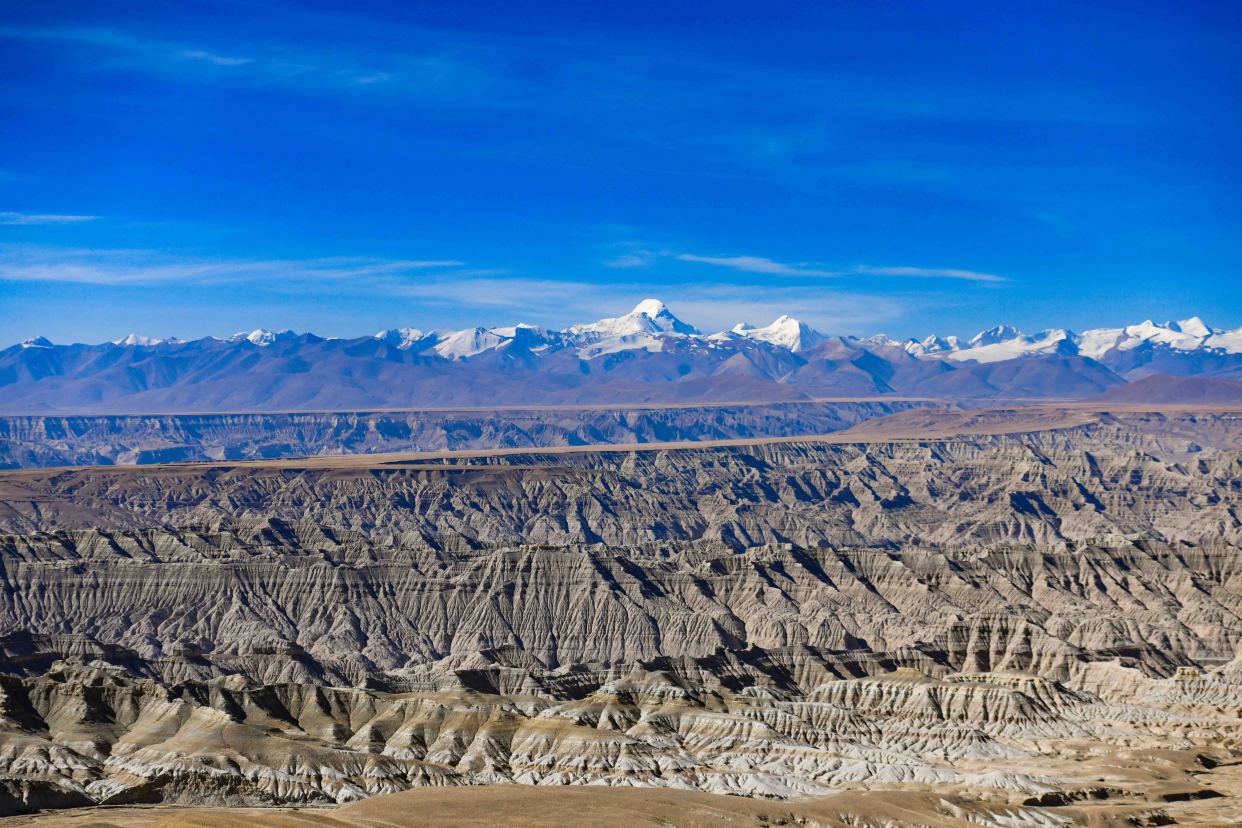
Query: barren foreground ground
[513, 805]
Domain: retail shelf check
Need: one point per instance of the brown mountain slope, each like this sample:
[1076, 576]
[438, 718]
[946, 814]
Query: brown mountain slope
[1163, 388]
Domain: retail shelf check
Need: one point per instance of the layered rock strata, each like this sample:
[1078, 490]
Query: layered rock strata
[33, 441]
[990, 615]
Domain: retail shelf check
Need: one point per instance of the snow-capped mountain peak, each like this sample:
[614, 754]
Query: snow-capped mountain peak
[785, 332]
[1228, 341]
[650, 307]
[661, 317]
[932, 346]
[1006, 342]
[402, 338]
[652, 327]
[468, 343]
[1150, 331]
[474, 341]
[1187, 335]
[989, 347]
[650, 316]
[1193, 326]
[647, 353]
[261, 336]
[531, 338]
[135, 340]
[992, 336]
[521, 329]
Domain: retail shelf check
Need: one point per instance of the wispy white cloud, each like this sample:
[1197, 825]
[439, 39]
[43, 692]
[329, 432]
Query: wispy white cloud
[540, 297]
[757, 264]
[556, 303]
[629, 260]
[428, 72]
[41, 218]
[452, 293]
[373, 78]
[30, 263]
[832, 312]
[930, 273]
[217, 59]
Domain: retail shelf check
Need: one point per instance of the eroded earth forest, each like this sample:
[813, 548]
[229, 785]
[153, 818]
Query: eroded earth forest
[1002, 617]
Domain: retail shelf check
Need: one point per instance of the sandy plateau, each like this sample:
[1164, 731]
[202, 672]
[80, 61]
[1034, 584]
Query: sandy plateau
[1021, 616]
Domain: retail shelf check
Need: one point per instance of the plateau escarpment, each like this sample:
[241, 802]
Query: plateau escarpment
[1008, 618]
[33, 441]
[287, 603]
[1080, 483]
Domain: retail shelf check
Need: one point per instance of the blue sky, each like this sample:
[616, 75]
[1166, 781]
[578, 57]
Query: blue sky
[202, 168]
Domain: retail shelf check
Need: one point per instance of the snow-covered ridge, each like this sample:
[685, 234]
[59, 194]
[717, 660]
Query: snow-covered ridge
[650, 316]
[651, 325]
[1007, 342]
[134, 340]
[1187, 335]
[262, 337]
[403, 338]
[989, 347]
[786, 332]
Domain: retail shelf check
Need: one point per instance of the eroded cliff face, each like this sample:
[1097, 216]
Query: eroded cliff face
[289, 603]
[984, 613]
[1046, 488]
[34, 441]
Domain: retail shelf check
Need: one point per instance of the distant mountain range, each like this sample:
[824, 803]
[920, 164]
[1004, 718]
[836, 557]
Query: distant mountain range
[645, 356]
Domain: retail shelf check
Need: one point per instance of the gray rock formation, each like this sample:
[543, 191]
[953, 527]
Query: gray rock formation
[95, 734]
[984, 613]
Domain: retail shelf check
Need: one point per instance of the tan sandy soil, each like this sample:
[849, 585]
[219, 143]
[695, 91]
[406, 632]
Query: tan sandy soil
[520, 805]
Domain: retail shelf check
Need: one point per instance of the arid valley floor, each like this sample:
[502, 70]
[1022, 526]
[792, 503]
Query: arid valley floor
[1013, 616]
